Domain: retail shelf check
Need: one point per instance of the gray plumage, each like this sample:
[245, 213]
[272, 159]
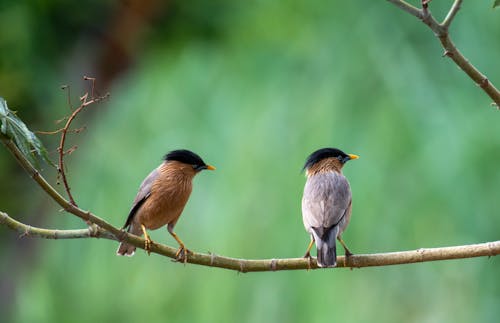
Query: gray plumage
[326, 211]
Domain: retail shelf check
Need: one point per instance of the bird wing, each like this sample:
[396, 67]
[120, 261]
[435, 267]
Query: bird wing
[326, 199]
[142, 195]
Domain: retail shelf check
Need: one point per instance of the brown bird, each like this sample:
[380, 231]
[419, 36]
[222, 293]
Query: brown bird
[326, 203]
[161, 199]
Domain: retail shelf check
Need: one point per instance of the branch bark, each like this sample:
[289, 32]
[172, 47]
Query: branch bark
[441, 31]
[29, 231]
[256, 265]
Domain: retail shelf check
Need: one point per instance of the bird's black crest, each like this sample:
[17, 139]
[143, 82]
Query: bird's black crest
[185, 156]
[324, 153]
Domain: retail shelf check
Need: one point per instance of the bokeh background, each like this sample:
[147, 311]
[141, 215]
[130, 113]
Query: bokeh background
[254, 87]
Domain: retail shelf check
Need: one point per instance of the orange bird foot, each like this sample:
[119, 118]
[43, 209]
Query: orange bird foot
[181, 254]
[147, 245]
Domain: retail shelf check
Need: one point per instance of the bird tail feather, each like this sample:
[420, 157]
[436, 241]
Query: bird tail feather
[125, 248]
[326, 246]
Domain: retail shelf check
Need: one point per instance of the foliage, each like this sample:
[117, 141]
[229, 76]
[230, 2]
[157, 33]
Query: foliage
[14, 128]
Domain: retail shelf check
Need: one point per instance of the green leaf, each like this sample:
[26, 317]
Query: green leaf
[14, 128]
[496, 3]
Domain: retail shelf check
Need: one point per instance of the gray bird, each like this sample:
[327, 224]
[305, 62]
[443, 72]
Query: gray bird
[326, 203]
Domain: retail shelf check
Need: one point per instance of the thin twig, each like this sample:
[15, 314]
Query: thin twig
[65, 130]
[487, 249]
[451, 51]
[92, 87]
[451, 14]
[68, 95]
[55, 132]
[407, 7]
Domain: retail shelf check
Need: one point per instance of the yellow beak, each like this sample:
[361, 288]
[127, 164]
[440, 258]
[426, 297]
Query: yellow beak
[210, 167]
[352, 156]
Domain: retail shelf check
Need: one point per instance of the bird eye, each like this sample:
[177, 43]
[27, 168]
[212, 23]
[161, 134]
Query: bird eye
[343, 159]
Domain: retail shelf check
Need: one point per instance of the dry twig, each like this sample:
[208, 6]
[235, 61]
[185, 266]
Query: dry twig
[86, 100]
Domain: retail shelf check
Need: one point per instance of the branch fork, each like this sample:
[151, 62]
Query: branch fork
[441, 32]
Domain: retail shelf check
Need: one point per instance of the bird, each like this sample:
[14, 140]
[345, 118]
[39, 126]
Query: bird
[326, 203]
[161, 199]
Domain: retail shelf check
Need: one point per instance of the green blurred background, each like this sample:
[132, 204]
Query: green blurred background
[254, 87]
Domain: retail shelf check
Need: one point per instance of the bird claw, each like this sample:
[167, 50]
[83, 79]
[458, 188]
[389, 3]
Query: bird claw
[309, 260]
[181, 254]
[147, 245]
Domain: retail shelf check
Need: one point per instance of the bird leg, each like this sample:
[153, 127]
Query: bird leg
[348, 253]
[147, 240]
[308, 253]
[181, 254]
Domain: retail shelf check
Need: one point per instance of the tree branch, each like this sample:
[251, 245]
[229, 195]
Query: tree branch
[29, 231]
[451, 51]
[99, 228]
[256, 265]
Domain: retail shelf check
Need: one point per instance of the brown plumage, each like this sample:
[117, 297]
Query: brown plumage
[162, 197]
[326, 203]
[325, 165]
